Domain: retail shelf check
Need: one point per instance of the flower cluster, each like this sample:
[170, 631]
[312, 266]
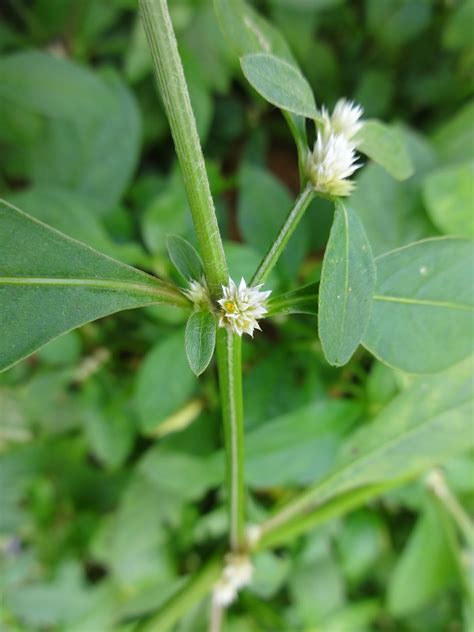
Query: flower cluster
[198, 293]
[237, 573]
[333, 159]
[241, 307]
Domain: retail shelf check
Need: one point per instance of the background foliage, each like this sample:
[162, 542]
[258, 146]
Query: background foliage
[111, 450]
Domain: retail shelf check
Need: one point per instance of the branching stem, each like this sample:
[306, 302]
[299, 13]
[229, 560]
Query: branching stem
[294, 217]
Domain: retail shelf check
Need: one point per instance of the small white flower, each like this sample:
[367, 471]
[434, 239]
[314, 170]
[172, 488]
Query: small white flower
[224, 593]
[237, 574]
[242, 307]
[238, 570]
[332, 161]
[344, 119]
[198, 293]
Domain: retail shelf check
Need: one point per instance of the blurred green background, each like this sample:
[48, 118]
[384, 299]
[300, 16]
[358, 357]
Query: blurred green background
[110, 449]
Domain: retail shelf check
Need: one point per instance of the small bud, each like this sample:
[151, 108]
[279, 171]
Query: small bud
[198, 293]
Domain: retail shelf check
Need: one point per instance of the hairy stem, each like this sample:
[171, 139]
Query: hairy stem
[229, 351]
[172, 86]
[268, 262]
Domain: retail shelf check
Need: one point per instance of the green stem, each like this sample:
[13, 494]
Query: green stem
[276, 532]
[268, 262]
[229, 362]
[194, 589]
[172, 85]
[437, 484]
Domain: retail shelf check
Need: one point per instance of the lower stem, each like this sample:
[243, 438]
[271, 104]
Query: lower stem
[294, 217]
[229, 364]
[194, 589]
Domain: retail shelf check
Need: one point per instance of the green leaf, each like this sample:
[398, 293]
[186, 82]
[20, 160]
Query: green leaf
[50, 284]
[51, 86]
[298, 446]
[65, 211]
[248, 32]
[425, 567]
[200, 340]
[424, 425]
[185, 258]
[423, 306]
[396, 22]
[280, 83]
[263, 206]
[167, 213]
[164, 382]
[391, 212]
[385, 145]
[448, 195]
[243, 261]
[108, 426]
[454, 139]
[87, 145]
[346, 288]
[457, 33]
[362, 542]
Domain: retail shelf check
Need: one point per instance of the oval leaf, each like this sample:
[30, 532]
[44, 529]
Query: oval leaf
[427, 423]
[429, 557]
[164, 383]
[50, 284]
[200, 340]
[423, 306]
[346, 289]
[185, 258]
[86, 145]
[448, 195]
[280, 83]
[385, 145]
[246, 31]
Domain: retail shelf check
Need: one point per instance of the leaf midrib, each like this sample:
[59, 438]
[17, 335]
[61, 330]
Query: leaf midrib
[88, 282]
[316, 495]
[420, 301]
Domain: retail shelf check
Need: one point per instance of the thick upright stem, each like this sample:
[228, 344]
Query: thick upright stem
[229, 351]
[294, 217]
[172, 85]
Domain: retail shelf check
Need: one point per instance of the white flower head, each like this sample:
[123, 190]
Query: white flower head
[238, 570]
[345, 119]
[198, 293]
[242, 307]
[331, 163]
[237, 573]
[224, 593]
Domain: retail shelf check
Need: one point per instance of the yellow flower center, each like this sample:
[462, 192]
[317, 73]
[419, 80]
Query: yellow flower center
[230, 307]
